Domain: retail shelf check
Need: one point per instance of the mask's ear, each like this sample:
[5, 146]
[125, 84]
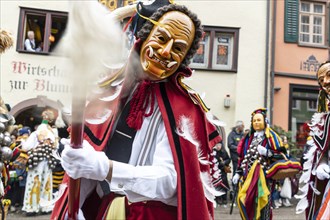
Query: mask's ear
[146, 10]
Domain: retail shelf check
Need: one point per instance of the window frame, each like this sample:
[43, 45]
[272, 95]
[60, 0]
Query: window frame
[309, 103]
[297, 104]
[311, 16]
[299, 88]
[213, 32]
[24, 11]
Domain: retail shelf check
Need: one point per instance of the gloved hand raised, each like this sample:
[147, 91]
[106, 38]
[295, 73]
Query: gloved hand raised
[84, 162]
[323, 171]
[236, 178]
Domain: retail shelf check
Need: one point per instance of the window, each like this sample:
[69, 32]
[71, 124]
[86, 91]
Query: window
[218, 50]
[312, 23]
[312, 105]
[307, 22]
[295, 104]
[201, 59]
[302, 105]
[46, 26]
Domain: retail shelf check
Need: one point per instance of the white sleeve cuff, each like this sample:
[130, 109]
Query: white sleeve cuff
[122, 176]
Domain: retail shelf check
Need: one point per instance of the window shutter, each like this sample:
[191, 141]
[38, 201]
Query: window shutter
[291, 21]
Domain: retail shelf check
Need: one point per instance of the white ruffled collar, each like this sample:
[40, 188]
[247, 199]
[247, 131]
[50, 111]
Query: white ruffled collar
[259, 133]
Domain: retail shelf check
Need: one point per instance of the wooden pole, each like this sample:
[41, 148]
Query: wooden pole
[77, 130]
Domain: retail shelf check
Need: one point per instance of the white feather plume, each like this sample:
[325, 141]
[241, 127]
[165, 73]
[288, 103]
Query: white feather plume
[113, 96]
[93, 40]
[314, 188]
[209, 191]
[117, 82]
[186, 130]
[310, 153]
[100, 118]
[92, 34]
[300, 196]
[308, 164]
[316, 123]
[214, 120]
[303, 190]
[202, 159]
[302, 205]
[305, 176]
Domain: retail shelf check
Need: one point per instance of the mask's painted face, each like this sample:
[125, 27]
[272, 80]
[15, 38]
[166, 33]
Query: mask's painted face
[258, 122]
[323, 76]
[167, 45]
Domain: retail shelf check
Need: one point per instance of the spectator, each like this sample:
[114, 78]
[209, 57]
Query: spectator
[233, 138]
[30, 43]
[224, 165]
[21, 176]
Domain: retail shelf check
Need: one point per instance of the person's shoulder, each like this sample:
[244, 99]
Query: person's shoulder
[232, 132]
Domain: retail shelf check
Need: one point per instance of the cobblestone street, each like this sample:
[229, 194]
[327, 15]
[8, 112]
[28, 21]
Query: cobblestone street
[221, 213]
[282, 213]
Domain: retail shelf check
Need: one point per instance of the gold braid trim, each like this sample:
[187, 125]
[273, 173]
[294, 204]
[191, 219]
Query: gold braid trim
[194, 96]
[153, 21]
[107, 82]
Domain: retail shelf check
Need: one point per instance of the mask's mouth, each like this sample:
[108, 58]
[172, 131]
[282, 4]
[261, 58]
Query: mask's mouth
[326, 88]
[154, 60]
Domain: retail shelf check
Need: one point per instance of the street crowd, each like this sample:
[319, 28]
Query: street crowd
[26, 159]
[154, 150]
[33, 173]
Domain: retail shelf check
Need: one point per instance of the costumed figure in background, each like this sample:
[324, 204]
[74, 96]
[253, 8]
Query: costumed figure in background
[314, 195]
[39, 148]
[152, 159]
[20, 160]
[6, 122]
[257, 150]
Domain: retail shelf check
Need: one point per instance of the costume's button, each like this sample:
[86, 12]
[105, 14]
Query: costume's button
[120, 185]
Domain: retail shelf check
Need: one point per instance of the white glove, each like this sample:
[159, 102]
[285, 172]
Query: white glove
[236, 178]
[323, 171]
[80, 215]
[263, 151]
[84, 162]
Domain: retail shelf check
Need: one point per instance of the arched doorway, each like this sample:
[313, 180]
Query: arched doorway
[28, 112]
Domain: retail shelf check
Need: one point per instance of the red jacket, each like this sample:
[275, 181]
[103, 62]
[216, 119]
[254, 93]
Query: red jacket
[173, 102]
